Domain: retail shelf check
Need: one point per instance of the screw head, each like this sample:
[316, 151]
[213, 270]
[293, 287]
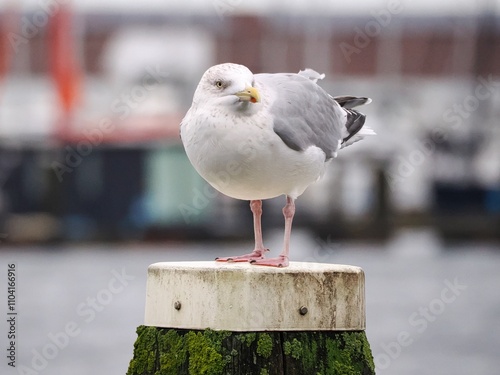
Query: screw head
[177, 305]
[303, 310]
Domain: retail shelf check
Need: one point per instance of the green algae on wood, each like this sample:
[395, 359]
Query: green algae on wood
[247, 338]
[264, 345]
[164, 351]
[145, 352]
[204, 356]
[346, 353]
[178, 352]
[293, 348]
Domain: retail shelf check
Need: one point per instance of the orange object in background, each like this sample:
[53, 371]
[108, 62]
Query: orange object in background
[64, 66]
[5, 50]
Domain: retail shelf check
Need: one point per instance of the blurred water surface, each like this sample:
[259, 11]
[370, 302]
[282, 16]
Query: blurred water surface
[431, 308]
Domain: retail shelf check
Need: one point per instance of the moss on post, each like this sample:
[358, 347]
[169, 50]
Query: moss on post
[322, 353]
[163, 351]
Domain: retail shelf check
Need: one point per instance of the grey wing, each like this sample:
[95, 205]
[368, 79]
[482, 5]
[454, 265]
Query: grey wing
[304, 114]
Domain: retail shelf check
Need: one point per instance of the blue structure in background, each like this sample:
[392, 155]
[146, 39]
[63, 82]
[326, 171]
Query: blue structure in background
[122, 193]
[113, 193]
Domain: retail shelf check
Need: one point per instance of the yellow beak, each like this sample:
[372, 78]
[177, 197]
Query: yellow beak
[250, 94]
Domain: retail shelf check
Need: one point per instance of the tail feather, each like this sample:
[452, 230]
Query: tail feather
[354, 126]
[354, 123]
[349, 102]
[311, 74]
[365, 131]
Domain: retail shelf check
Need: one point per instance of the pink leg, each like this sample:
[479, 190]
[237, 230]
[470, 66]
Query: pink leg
[282, 259]
[258, 253]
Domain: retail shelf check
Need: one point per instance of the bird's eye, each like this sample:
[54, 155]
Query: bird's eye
[219, 84]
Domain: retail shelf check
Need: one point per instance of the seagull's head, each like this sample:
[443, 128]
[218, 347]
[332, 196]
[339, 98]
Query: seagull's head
[229, 84]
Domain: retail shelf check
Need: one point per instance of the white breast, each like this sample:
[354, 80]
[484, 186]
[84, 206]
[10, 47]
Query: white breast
[246, 159]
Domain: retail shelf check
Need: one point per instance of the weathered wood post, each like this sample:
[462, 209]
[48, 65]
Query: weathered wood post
[218, 318]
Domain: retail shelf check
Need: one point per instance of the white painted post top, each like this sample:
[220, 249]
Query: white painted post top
[243, 297]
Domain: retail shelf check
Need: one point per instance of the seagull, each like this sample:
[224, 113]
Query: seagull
[259, 136]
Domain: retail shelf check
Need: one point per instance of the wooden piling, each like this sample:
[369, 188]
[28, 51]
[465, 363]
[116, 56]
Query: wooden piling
[238, 319]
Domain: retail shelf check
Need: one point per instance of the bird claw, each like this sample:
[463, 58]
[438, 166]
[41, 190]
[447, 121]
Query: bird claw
[256, 255]
[279, 261]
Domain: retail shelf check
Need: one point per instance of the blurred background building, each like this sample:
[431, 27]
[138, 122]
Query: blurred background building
[92, 94]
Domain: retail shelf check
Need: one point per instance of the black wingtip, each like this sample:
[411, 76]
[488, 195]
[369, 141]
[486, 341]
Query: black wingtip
[355, 121]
